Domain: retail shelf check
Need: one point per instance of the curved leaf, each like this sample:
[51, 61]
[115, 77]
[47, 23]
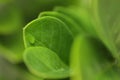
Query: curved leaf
[75, 28]
[49, 32]
[45, 63]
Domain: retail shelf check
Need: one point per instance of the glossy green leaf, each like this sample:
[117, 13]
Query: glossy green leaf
[49, 32]
[45, 63]
[91, 61]
[72, 25]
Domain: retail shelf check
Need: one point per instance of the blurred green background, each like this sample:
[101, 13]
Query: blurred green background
[14, 15]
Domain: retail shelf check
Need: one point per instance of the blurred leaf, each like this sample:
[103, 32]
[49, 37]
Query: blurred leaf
[11, 47]
[112, 73]
[10, 19]
[10, 71]
[80, 16]
[91, 61]
[5, 1]
[106, 16]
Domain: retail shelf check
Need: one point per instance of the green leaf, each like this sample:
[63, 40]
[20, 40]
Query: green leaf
[90, 60]
[45, 63]
[49, 32]
[72, 25]
[106, 16]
